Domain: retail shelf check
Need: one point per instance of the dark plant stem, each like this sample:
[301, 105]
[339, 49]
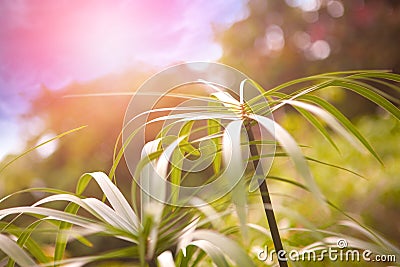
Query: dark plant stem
[269, 212]
[152, 262]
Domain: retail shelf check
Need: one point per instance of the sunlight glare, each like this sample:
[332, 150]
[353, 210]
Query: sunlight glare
[49, 148]
[107, 42]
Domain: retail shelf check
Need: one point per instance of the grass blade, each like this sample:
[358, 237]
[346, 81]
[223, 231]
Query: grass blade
[40, 145]
[226, 245]
[212, 251]
[15, 252]
[343, 120]
[114, 196]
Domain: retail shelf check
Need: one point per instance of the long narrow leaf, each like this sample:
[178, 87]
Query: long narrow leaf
[15, 252]
[226, 245]
[212, 251]
[232, 153]
[114, 196]
[343, 120]
[291, 147]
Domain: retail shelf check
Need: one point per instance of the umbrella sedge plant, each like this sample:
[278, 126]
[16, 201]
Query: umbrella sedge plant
[159, 234]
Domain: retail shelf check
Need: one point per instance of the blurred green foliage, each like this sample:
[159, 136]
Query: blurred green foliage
[372, 198]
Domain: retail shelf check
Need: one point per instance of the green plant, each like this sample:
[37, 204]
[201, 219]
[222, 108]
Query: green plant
[153, 231]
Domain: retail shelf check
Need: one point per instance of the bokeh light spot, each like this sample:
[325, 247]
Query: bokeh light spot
[335, 9]
[272, 42]
[302, 40]
[319, 50]
[305, 5]
[49, 148]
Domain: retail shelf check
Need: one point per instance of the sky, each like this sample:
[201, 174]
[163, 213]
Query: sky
[54, 43]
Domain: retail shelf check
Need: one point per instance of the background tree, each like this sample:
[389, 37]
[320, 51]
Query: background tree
[283, 40]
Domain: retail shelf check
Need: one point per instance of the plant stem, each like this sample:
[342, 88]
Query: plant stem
[152, 262]
[269, 212]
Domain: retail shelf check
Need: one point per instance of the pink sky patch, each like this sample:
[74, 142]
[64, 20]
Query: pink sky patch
[56, 42]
